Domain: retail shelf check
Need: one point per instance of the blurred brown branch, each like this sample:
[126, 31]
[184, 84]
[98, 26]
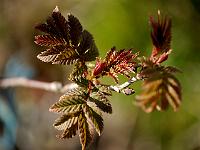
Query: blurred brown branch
[24, 82]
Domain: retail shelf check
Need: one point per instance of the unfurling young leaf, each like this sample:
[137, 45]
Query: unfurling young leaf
[66, 41]
[116, 62]
[161, 38]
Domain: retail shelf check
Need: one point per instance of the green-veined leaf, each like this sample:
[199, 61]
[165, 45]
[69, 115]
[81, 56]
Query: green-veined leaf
[70, 103]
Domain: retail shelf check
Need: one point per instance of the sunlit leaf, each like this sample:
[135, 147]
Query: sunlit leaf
[66, 120]
[84, 133]
[68, 123]
[69, 132]
[71, 102]
[67, 56]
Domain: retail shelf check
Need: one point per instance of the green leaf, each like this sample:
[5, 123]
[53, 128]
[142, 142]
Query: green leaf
[84, 132]
[95, 118]
[70, 103]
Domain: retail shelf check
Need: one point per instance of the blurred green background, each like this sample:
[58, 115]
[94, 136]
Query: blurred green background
[120, 23]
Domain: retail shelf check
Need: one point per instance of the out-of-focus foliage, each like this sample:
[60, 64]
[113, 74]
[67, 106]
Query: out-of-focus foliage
[104, 19]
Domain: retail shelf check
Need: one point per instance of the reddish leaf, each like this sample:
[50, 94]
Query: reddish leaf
[66, 41]
[161, 38]
[116, 62]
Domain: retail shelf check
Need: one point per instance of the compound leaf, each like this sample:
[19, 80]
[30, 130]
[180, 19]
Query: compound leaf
[65, 40]
[160, 90]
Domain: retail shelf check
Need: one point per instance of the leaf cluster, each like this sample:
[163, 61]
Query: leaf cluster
[160, 89]
[81, 112]
[66, 43]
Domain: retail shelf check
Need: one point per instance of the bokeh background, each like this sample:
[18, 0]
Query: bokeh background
[26, 124]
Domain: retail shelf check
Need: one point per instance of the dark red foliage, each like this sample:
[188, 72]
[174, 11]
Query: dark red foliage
[65, 40]
[161, 38]
[116, 62]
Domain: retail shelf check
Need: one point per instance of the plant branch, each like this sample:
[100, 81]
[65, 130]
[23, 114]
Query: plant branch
[58, 87]
[124, 87]
[24, 82]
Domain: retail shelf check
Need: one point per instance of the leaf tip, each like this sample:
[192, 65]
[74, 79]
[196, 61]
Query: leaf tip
[56, 9]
